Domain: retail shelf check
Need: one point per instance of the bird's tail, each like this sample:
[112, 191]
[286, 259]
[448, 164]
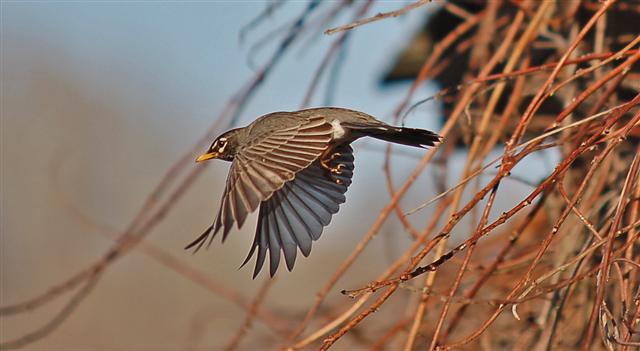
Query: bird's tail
[408, 136]
[400, 135]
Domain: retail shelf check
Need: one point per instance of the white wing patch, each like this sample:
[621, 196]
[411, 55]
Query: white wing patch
[338, 131]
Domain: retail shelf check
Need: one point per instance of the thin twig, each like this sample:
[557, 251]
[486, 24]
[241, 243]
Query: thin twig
[377, 17]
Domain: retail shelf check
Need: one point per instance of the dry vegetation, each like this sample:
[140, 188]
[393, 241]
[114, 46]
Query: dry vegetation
[559, 270]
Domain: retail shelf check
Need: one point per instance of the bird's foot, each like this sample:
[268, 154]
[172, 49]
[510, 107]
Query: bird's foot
[325, 162]
[335, 180]
[337, 169]
[333, 173]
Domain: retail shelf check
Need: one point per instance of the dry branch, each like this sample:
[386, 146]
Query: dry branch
[528, 77]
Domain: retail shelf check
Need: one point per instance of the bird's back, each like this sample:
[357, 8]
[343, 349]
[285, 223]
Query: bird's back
[271, 122]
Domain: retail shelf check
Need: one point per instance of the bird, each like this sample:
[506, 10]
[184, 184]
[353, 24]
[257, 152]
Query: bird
[296, 166]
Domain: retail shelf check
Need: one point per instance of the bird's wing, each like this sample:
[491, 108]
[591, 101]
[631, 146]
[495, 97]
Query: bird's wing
[263, 167]
[296, 214]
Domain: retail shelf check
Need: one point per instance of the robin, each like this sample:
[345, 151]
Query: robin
[297, 167]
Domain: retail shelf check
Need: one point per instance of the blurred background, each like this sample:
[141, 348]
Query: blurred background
[100, 99]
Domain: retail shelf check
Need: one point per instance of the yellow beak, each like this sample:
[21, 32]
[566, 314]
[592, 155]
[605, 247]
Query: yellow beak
[206, 156]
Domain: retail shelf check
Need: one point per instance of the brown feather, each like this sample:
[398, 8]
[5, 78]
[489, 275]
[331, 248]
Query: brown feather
[264, 165]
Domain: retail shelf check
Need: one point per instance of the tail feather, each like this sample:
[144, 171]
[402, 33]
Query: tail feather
[407, 136]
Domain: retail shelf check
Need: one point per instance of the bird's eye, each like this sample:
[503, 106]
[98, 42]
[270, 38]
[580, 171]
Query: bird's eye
[221, 144]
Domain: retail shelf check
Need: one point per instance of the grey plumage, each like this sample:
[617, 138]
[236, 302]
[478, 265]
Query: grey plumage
[297, 166]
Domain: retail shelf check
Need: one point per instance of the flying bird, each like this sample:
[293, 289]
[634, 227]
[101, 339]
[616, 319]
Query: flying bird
[296, 166]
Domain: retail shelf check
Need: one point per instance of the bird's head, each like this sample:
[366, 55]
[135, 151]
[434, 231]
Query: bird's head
[223, 148]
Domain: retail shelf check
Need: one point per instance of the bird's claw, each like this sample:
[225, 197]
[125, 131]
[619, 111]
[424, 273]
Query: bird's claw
[324, 162]
[337, 170]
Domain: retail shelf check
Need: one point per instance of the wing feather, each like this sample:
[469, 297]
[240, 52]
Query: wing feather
[289, 244]
[275, 243]
[263, 246]
[300, 229]
[261, 168]
[298, 212]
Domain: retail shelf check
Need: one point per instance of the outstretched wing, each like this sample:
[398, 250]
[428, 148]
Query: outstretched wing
[296, 214]
[263, 167]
